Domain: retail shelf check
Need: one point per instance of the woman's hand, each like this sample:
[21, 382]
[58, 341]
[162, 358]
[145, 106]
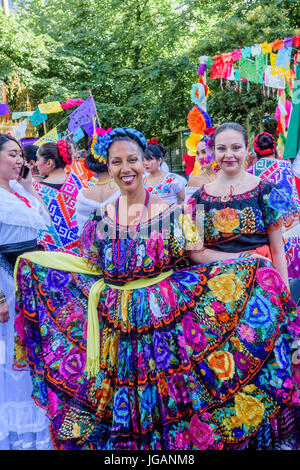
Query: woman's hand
[26, 182]
[256, 255]
[4, 312]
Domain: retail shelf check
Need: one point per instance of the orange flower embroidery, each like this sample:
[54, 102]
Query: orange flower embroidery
[226, 287]
[226, 220]
[222, 363]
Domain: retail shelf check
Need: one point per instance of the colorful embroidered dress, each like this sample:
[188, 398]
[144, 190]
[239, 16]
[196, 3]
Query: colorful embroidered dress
[170, 186]
[63, 235]
[199, 358]
[243, 222]
[281, 173]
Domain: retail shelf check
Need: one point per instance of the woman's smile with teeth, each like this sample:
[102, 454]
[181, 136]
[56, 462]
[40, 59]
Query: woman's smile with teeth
[127, 179]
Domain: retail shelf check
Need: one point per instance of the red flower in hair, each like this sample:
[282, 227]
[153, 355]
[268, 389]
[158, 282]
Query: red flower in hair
[63, 151]
[152, 141]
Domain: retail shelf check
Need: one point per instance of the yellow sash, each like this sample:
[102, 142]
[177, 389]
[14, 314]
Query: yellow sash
[76, 264]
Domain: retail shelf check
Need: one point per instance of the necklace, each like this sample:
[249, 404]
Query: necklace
[100, 183]
[227, 195]
[119, 261]
[24, 199]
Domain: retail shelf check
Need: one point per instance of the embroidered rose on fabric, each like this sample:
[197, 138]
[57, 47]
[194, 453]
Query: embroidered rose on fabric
[278, 200]
[72, 365]
[193, 333]
[121, 407]
[222, 363]
[200, 433]
[189, 229]
[226, 287]
[162, 350]
[178, 389]
[155, 247]
[259, 312]
[56, 280]
[226, 220]
[19, 325]
[269, 279]
[168, 294]
[249, 410]
[247, 333]
[88, 234]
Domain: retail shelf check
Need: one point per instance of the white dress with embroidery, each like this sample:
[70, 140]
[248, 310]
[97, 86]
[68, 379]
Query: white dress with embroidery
[169, 187]
[23, 425]
[85, 206]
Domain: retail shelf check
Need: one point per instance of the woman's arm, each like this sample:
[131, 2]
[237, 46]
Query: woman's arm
[181, 194]
[4, 313]
[206, 255]
[27, 185]
[278, 254]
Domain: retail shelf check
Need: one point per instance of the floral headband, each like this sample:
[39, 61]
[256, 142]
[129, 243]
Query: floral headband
[102, 141]
[63, 151]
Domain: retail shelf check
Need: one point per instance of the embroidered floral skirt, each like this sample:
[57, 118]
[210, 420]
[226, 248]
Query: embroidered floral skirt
[201, 360]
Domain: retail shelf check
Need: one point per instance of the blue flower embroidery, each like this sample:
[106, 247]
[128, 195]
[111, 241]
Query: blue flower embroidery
[282, 353]
[121, 406]
[259, 312]
[279, 200]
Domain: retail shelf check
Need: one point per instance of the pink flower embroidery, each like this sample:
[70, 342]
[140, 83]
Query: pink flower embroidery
[155, 247]
[269, 279]
[201, 433]
[72, 365]
[168, 293]
[247, 333]
[19, 326]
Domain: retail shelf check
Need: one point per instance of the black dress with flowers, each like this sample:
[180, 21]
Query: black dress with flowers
[243, 222]
[198, 360]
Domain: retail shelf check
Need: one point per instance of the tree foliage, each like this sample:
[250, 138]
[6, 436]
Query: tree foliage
[139, 57]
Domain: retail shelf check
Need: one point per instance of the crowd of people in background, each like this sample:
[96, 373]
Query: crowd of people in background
[144, 310]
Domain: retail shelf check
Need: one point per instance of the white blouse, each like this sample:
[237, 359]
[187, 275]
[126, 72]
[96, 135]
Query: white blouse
[85, 206]
[18, 222]
[169, 187]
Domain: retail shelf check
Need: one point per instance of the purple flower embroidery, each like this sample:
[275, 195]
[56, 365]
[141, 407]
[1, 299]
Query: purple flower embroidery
[193, 333]
[162, 350]
[155, 247]
[241, 361]
[201, 433]
[72, 365]
[178, 389]
[88, 234]
[55, 281]
[111, 298]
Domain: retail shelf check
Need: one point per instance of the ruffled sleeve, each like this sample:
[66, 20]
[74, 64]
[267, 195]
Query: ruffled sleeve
[178, 182]
[278, 208]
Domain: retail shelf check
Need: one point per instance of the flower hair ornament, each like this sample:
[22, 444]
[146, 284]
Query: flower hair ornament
[208, 139]
[103, 138]
[153, 141]
[63, 151]
[100, 143]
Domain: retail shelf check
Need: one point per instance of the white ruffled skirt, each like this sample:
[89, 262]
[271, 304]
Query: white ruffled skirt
[23, 424]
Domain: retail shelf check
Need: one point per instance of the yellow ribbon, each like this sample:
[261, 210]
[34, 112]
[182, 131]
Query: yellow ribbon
[76, 264]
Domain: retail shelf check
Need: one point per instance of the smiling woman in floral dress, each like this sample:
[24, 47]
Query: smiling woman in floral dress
[150, 342]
